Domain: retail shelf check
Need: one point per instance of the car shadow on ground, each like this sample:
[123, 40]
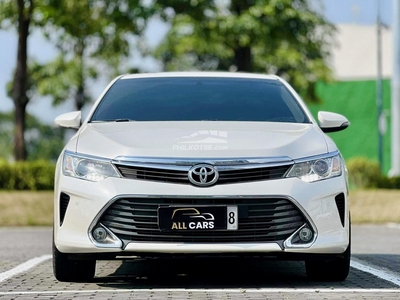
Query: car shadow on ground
[217, 273]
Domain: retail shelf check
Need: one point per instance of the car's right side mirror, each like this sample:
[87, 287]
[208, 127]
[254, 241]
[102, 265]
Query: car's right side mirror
[332, 122]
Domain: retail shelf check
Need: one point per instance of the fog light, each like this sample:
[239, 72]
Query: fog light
[305, 234]
[100, 234]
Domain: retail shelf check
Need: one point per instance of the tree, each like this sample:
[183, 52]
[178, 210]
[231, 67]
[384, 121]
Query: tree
[94, 37]
[283, 37]
[42, 141]
[6, 133]
[94, 29]
[19, 14]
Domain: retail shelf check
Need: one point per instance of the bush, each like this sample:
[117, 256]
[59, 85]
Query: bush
[32, 175]
[389, 183]
[363, 173]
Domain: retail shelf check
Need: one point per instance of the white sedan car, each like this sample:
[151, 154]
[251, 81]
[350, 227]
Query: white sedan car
[201, 164]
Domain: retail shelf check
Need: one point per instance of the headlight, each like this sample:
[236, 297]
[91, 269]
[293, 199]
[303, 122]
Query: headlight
[87, 168]
[318, 169]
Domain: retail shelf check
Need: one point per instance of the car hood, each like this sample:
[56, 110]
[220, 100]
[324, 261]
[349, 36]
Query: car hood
[202, 139]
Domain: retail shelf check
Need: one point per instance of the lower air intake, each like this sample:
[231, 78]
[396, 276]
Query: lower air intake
[260, 220]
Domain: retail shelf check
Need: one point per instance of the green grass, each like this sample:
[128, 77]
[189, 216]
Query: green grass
[25, 208]
[375, 206]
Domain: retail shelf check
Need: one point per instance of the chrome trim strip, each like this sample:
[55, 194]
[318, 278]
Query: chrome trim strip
[154, 166]
[185, 168]
[296, 203]
[87, 156]
[203, 248]
[117, 243]
[288, 242]
[310, 221]
[315, 157]
[177, 161]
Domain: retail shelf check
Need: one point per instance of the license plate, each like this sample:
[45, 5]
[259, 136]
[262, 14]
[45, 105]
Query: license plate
[193, 218]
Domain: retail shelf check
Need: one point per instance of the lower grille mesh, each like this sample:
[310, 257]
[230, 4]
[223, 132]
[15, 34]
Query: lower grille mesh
[260, 220]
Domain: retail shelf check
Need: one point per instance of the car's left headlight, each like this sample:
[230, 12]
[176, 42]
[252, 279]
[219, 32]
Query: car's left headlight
[317, 169]
[87, 168]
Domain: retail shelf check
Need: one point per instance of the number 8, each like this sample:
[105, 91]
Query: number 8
[231, 218]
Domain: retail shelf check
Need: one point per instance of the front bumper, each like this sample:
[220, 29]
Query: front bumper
[87, 200]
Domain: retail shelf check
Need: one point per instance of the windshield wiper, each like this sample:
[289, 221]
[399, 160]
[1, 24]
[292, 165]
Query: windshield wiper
[115, 120]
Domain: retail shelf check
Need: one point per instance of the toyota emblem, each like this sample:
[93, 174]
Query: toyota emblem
[203, 175]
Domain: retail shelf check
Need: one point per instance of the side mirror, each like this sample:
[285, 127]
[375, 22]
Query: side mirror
[331, 122]
[69, 120]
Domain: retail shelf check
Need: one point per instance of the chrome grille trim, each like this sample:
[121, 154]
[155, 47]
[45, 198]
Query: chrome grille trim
[134, 219]
[193, 161]
[176, 170]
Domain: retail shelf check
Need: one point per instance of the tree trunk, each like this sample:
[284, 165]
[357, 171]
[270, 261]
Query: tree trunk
[79, 97]
[80, 92]
[243, 59]
[19, 131]
[20, 81]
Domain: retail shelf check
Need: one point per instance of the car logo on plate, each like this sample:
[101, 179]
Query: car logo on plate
[203, 175]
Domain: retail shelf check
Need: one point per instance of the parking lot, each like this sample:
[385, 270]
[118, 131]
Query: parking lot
[26, 273]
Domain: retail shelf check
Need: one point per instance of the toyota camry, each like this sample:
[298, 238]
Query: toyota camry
[201, 164]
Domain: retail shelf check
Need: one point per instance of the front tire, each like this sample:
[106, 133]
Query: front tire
[333, 270]
[336, 269]
[68, 270]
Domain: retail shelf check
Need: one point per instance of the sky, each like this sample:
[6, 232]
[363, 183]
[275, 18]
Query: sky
[362, 12]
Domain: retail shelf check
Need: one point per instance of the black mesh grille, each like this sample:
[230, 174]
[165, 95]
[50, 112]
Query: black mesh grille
[153, 174]
[175, 176]
[64, 201]
[260, 220]
[340, 203]
[254, 174]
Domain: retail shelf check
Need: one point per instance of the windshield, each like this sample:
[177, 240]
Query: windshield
[199, 99]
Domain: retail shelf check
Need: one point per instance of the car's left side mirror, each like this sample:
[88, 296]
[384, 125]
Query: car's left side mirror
[332, 122]
[69, 120]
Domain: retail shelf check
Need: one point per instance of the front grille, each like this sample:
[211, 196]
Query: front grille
[181, 176]
[260, 220]
[153, 174]
[254, 174]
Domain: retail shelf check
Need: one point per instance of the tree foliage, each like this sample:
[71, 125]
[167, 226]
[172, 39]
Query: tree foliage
[19, 14]
[6, 135]
[284, 37]
[94, 37]
[42, 141]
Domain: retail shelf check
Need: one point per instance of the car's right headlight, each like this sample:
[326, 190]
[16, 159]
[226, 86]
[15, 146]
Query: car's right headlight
[317, 169]
[87, 168]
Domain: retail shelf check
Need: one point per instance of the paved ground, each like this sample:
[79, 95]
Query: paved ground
[17, 245]
[375, 248]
